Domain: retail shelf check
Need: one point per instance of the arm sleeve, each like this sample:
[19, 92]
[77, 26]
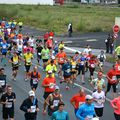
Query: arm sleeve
[78, 114]
[23, 106]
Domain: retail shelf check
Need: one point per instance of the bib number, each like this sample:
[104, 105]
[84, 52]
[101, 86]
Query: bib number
[8, 105]
[55, 103]
[33, 109]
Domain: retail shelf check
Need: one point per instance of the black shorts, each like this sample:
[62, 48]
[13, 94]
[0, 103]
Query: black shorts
[118, 76]
[117, 117]
[45, 60]
[99, 112]
[27, 67]
[66, 76]
[4, 53]
[39, 57]
[15, 68]
[113, 86]
[91, 71]
[81, 69]
[8, 113]
[46, 94]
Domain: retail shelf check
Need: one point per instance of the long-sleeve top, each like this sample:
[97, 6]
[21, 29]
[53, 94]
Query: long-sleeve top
[58, 115]
[84, 111]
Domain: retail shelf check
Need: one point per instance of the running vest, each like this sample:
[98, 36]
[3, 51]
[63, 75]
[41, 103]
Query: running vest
[54, 101]
[34, 78]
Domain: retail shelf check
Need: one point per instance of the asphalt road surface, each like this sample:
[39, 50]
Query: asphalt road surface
[21, 88]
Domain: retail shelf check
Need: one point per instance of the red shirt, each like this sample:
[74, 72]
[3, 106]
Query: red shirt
[46, 36]
[117, 66]
[112, 75]
[61, 57]
[92, 63]
[78, 100]
[49, 43]
[48, 81]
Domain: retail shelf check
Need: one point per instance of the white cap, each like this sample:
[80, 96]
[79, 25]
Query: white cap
[57, 87]
[88, 97]
[31, 93]
[49, 71]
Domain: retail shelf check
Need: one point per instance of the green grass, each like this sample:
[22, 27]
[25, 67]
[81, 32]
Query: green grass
[85, 18]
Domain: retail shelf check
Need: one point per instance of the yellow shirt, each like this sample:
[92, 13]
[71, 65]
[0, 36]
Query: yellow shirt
[28, 58]
[51, 68]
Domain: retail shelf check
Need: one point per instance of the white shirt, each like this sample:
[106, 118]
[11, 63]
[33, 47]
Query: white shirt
[31, 42]
[87, 50]
[100, 98]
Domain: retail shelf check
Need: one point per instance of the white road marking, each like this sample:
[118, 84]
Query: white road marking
[67, 41]
[73, 50]
[91, 40]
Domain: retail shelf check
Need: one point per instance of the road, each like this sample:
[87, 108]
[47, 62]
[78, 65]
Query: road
[21, 88]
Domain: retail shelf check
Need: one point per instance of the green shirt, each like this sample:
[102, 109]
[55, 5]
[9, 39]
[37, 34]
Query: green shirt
[45, 53]
[117, 50]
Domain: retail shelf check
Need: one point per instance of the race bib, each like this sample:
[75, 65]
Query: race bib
[55, 103]
[46, 55]
[82, 62]
[4, 47]
[2, 82]
[80, 103]
[33, 109]
[52, 85]
[15, 62]
[100, 101]
[73, 66]
[29, 60]
[35, 81]
[118, 67]
[68, 70]
[8, 105]
[61, 59]
[114, 78]
[39, 53]
[92, 65]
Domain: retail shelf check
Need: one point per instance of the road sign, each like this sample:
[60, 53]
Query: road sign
[116, 28]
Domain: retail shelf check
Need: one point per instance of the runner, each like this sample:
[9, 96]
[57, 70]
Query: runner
[7, 100]
[86, 111]
[52, 101]
[34, 78]
[99, 81]
[39, 50]
[48, 84]
[49, 43]
[81, 67]
[45, 56]
[66, 68]
[101, 59]
[30, 106]
[99, 100]
[78, 99]
[4, 47]
[28, 58]
[112, 81]
[74, 70]
[15, 65]
[60, 114]
[87, 49]
[61, 45]
[2, 80]
[51, 67]
[116, 106]
[92, 65]
[61, 56]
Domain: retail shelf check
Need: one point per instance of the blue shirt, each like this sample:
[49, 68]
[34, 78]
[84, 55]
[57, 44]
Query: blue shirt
[85, 110]
[4, 47]
[67, 69]
[60, 115]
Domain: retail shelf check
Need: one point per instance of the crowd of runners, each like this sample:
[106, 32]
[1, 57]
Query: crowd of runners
[17, 48]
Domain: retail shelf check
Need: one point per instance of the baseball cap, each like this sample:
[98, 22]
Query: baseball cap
[100, 74]
[51, 37]
[53, 57]
[57, 87]
[31, 93]
[49, 72]
[88, 97]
